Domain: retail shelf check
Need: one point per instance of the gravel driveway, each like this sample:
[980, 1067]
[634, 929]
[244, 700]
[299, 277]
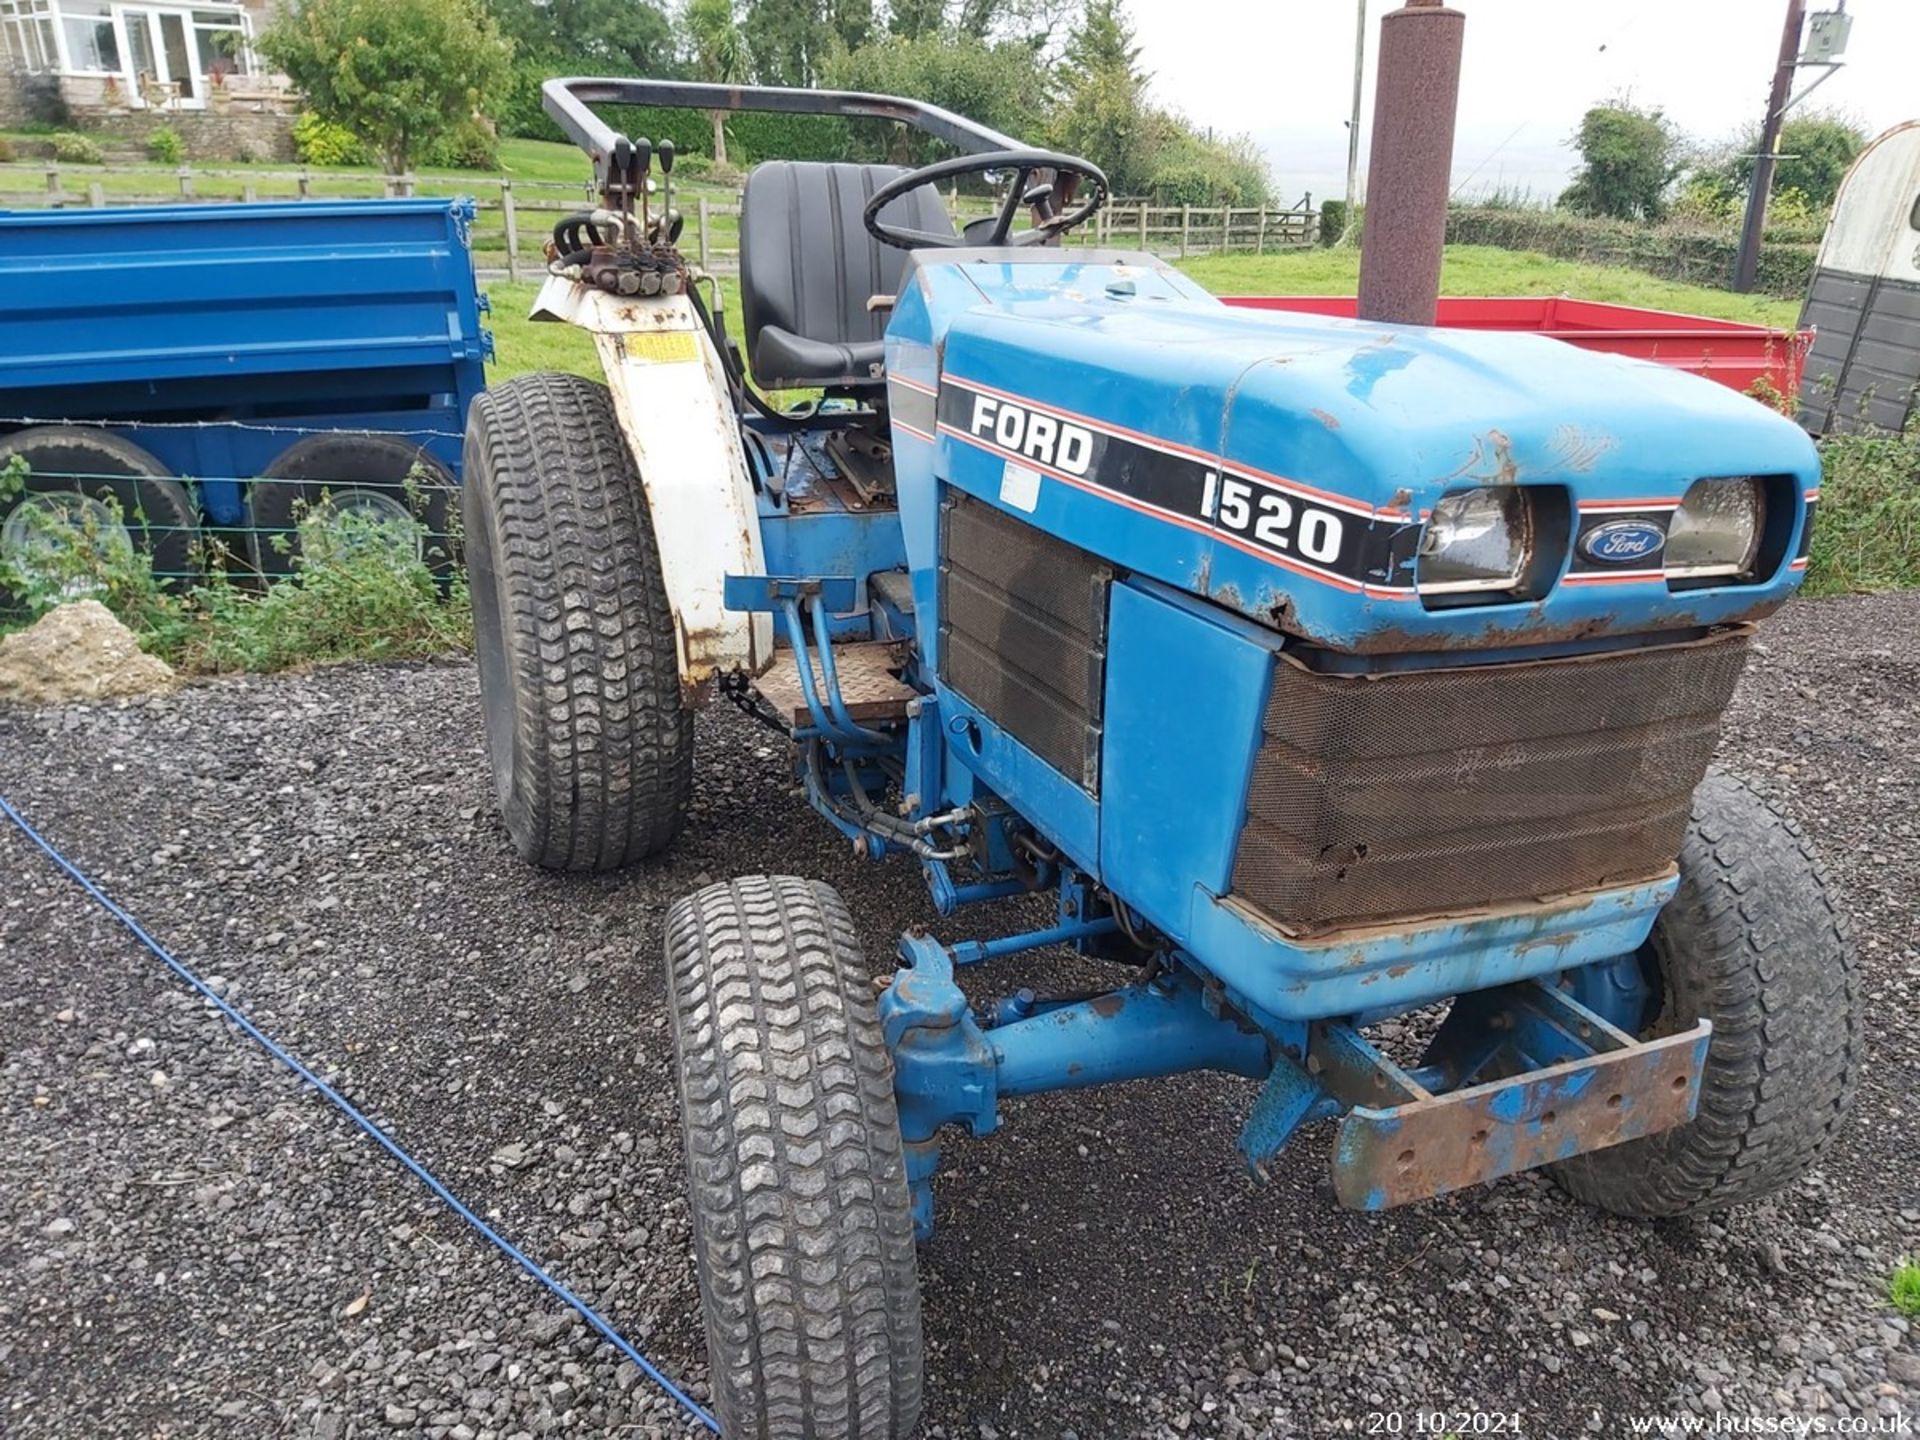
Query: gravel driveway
[191, 1244]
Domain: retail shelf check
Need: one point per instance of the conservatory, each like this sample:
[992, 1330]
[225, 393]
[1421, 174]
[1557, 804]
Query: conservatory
[108, 55]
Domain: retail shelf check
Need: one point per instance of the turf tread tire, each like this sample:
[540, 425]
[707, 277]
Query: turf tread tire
[1754, 942]
[802, 1228]
[592, 747]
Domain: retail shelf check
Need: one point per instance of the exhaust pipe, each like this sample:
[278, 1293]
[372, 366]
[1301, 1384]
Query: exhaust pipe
[1416, 99]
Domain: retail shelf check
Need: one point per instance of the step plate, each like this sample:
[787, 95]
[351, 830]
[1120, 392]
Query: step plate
[1388, 1157]
[867, 683]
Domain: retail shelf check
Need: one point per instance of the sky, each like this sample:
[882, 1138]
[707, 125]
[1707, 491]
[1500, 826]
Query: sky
[1282, 71]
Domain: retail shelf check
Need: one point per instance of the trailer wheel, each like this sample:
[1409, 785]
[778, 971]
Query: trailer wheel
[1754, 943]
[803, 1235]
[86, 477]
[381, 478]
[592, 749]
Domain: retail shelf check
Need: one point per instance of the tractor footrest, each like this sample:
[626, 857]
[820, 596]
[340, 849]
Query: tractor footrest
[1433, 1144]
[868, 684]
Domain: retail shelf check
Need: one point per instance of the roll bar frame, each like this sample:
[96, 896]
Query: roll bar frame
[569, 102]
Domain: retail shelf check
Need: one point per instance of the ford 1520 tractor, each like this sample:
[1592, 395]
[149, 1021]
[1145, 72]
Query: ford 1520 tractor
[1316, 671]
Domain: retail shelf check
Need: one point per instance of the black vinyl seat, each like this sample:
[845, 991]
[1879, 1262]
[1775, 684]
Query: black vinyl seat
[808, 266]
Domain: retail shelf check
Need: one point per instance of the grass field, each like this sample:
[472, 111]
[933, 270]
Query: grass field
[549, 180]
[1484, 270]
[529, 161]
[1470, 270]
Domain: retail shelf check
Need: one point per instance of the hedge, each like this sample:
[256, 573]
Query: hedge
[1698, 257]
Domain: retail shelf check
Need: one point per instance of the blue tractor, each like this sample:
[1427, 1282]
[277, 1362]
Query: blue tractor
[1315, 672]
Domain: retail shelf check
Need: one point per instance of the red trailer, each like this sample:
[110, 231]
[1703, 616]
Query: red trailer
[1734, 353]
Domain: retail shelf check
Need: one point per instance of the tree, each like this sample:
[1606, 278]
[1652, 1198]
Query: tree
[718, 56]
[1101, 111]
[999, 83]
[1102, 43]
[1815, 151]
[400, 74]
[911, 19]
[788, 41]
[1629, 160]
[632, 37]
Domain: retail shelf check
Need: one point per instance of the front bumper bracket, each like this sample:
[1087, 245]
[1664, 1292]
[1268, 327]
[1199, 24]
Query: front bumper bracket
[1565, 1081]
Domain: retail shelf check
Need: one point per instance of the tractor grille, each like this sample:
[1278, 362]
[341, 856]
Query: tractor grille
[1429, 791]
[1023, 632]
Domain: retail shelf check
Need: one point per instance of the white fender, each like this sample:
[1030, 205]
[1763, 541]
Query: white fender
[670, 393]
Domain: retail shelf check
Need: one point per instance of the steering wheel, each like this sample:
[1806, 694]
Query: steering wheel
[1044, 181]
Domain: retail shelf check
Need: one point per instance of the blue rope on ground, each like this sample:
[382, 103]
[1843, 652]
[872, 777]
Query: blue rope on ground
[340, 1102]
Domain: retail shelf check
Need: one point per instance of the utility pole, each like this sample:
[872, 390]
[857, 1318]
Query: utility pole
[1353, 124]
[1747, 267]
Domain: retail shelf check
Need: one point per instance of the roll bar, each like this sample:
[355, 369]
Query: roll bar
[569, 102]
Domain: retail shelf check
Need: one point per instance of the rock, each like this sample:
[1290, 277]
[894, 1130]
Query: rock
[1904, 1366]
[78, 651]
[57, 1228]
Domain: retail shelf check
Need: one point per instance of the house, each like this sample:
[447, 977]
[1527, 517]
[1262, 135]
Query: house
[94, 58]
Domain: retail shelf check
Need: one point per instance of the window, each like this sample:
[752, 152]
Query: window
[221, 38]
[27, 26]
[91, 45]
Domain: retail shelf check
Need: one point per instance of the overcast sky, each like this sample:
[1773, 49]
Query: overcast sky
[1282, 70]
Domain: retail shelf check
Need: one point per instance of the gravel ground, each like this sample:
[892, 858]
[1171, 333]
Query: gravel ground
[191, 1244]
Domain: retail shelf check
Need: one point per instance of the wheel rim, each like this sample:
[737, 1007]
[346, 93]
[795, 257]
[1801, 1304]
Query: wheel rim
[354, 520]
[43, 537]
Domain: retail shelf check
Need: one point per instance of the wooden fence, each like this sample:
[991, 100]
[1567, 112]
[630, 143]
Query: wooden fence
[513, 217]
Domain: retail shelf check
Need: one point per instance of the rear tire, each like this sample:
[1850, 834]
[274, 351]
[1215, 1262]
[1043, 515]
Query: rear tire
[591, 747]
[803, 1233]
[1754, 943]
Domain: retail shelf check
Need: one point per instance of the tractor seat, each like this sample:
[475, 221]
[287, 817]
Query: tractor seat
[808, 267]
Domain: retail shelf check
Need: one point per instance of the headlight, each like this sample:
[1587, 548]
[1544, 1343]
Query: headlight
[1716, 530]
[1476, 540]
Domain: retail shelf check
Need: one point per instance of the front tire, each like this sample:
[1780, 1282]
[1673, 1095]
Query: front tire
[803, 1234]
[1754, 943]
[591, 747]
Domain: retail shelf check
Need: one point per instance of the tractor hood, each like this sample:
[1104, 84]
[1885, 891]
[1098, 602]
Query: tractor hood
[1284, 464]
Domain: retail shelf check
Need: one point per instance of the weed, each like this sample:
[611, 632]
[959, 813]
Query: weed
[1867, 535]
[1903, 1289]
[73, 149]
[361, 589]
[166, 146]
[80, 550]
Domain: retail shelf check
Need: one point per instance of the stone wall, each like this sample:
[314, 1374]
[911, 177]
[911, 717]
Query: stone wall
[236, 134]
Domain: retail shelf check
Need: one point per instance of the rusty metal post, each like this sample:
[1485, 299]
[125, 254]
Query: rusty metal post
[1416, 97]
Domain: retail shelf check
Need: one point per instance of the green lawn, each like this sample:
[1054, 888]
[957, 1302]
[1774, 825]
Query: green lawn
[525, 345]
[532, 161]
[521, 344]
[1484, 270]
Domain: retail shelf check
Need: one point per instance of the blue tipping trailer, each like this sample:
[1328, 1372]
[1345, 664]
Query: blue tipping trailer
[215, 368]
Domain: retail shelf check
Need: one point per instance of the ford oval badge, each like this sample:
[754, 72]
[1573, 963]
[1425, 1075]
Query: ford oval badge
[1623, 542]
